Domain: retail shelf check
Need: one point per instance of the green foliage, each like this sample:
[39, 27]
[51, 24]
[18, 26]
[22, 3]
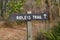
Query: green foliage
[56, 32]
[53, 34]
[15, 6]
[49, 35]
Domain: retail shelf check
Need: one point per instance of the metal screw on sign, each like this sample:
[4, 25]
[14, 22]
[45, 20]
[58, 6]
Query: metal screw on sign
[29, 28]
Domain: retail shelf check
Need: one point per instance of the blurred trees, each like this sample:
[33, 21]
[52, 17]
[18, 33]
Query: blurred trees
[38, 6]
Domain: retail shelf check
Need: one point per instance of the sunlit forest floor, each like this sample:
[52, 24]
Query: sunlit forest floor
[12, 33]
[18, 31]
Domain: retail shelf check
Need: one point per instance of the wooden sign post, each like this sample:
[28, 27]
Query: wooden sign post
[28, 17]
[29, 28]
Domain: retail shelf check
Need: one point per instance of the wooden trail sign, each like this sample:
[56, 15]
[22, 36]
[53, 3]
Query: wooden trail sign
[28, 17]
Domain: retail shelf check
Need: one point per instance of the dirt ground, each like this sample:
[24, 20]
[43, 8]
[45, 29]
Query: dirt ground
[12, 34]
[12, 31]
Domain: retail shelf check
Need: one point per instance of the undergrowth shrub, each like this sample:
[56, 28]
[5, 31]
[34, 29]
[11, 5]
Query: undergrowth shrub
[52, 34]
